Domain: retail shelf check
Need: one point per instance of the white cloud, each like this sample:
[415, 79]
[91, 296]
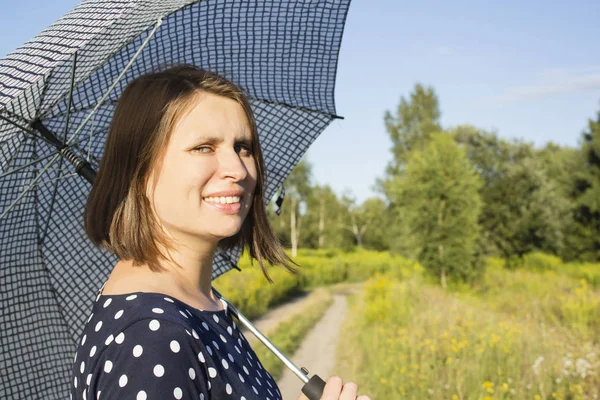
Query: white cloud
[555, 81]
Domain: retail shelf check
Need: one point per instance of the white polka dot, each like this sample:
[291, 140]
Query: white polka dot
[98, 394]
[255, 391]
[108, 366]
[201, 357]
[158, 310]
[89, 379]
[205, 326]
[75, 383]
[119, 314]
[258, 381]
[240, 342]
[238, 349]
[188, 311]
[229, 330]
[141, 395]
[120, 337]
[192, 373]
[123, 380]
[178, 393]
[159, 370]
[241, 377]
[75, 358]
[209, 350]
[154, 325]
[246, 370]
[208, 385]
[216, 345]
[138, 350]
[107, 303]
[243, 398]
[228, 389]
[225, 364]
[259, 374]
[230, 357]
[92, 351]
[223, 338]
[82, 367]
[98, 326]
[195, 334]
[84, 395]
[169, 299]
[269, 390]
[182, 313]
[83, 340]
[201, 396]
[109, 340]
[133, 296]
[215, 317]
[212, 372]
[175, 346]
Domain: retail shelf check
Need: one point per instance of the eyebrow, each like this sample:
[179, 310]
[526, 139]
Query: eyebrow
[217, 140]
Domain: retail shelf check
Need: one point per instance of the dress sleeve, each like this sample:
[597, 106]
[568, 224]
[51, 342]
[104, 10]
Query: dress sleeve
[151, 359]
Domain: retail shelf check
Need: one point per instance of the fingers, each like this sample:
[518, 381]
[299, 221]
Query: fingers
[349, 391]
[333, 387]
[336, 390]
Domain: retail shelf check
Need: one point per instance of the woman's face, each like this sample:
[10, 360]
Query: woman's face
[205, 186]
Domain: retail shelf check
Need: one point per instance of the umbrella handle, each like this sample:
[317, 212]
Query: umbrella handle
[313, 389]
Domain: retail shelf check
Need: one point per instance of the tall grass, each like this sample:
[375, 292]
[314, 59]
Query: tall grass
[409, 340]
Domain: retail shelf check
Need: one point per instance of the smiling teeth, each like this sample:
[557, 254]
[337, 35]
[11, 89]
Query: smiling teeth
[223, 200]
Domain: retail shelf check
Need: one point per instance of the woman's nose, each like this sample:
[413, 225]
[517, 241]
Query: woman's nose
[232, 166]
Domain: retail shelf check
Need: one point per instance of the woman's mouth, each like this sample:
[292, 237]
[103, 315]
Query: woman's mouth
[225, 204]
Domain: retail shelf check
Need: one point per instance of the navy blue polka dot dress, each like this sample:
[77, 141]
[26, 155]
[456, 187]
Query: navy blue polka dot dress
[146, 346]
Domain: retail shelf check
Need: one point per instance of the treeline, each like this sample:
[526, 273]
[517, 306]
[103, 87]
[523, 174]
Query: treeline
[453, 195]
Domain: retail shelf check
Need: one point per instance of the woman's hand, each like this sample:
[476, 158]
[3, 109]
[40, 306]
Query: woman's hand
[335, 391]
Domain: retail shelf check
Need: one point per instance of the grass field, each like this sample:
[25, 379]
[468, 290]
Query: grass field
[519, 335]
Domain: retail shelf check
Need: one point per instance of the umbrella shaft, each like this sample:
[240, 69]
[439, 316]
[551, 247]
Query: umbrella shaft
[297, 371]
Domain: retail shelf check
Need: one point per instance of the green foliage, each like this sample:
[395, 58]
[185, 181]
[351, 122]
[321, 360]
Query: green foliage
[412, 125]
[538, 261]
[440, 203]
[253, 295]
[525, 194]
[587, 192]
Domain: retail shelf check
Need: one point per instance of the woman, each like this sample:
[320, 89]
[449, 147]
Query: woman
[182, 175]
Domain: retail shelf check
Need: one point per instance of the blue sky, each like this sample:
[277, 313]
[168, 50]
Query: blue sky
[527, 69]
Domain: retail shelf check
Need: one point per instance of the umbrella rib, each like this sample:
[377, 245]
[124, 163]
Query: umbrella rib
[29, 188]
[101, 101]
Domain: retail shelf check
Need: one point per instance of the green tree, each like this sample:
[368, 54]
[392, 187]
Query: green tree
[439, 194]
[524, 206]
[587, 191]
[412, 125]
[376, 235]
[323, 215]
[288, 225]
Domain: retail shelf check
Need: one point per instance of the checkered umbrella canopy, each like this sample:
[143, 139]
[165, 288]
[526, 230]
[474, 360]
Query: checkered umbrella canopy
[57, 97]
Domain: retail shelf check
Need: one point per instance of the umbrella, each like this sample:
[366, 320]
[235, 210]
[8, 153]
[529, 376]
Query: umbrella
[57, 96]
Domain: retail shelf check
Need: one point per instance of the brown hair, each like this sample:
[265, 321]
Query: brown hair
[118, 214]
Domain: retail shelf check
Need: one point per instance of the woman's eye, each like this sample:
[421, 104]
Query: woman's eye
[203, 149]
[243, 150]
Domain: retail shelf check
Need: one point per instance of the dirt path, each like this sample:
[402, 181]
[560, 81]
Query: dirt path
[318, 350]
